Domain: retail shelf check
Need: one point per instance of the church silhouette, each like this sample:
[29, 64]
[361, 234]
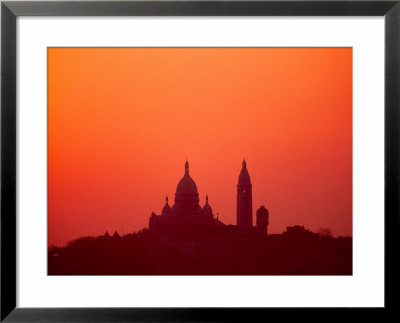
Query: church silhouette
[186, 216]
[187, 239]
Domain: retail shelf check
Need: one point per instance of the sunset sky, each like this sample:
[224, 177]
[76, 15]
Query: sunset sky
[123, 121]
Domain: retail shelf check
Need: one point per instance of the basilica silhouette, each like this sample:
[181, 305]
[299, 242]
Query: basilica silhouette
[186, 216]
[187, 239]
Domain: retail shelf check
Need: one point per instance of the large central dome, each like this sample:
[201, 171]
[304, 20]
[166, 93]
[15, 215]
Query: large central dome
[186, 185]
[186, 196]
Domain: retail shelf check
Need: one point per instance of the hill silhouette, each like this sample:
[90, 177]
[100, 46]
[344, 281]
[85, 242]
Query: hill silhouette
[222, 251]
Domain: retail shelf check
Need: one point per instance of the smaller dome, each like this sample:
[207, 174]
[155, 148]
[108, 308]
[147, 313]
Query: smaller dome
[263, 211]
[166, 209]
[207, 210]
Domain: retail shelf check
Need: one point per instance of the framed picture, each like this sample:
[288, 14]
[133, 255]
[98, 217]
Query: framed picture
[198, 160]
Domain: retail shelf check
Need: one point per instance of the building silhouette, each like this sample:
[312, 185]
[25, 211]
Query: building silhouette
[262, 219]
[186, 239]
[244, 199]
[187, 217]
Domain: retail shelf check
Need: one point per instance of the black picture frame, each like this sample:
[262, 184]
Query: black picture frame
[10, 10]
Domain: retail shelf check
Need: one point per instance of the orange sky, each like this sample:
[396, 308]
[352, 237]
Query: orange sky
[122, 121]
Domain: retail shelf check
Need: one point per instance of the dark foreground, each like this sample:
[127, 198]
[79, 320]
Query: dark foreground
[144, 254]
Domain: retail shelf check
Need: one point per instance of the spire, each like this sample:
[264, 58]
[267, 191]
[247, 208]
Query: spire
[244, 202]
[166, 199]
[206, 199]
[187, 168]
[244, 177]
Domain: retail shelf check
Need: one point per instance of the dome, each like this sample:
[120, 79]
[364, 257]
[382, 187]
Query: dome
[244, 177]
[186, 185]
[262, 211]
[166, 209]
[186, 196]
[207, 210]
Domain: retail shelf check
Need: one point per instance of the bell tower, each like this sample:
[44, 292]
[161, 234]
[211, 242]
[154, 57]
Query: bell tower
[244, 202]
